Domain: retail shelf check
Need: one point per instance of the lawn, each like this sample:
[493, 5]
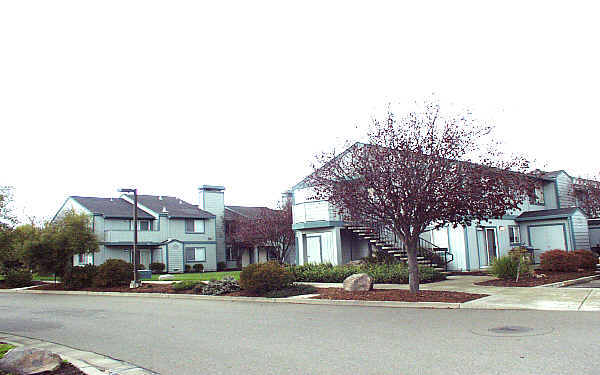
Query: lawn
[38, 278]
[5, 348]
[199, 276]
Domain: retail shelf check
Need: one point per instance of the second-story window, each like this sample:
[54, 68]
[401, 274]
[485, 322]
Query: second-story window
[538, 195]
[194, 226]
[513, 234]
[144, 225]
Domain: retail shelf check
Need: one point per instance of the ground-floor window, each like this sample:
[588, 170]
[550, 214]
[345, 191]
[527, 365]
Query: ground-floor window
[195, 254]
[514, 234]
[233, 253]
[272, 254]
[84, 258]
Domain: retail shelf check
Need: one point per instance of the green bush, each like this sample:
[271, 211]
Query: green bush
[187, 268]
[139, 266]
[157, 267]
[381, 273]
[294, 290]
[198, 267]
[80, 277]
[18, 278]
[505, 267]
[185, 285]
[264, 277]
[114, 272]
[221, 266]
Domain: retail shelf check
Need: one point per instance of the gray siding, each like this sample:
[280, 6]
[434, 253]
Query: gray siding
[566, 196]
[210, 264]
[580, 231]
[213, 202]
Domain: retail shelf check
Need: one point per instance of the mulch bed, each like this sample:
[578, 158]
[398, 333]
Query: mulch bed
[397, 295]
[3, 285]
[528, 281]
[64, 369]
[145, 288]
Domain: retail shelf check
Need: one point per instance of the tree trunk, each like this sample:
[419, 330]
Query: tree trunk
[413, 267]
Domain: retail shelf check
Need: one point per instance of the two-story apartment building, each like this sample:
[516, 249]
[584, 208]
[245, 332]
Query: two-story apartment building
[170, 230]
[548, 220]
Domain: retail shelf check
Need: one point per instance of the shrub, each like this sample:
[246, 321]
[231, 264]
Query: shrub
[139, 266]
[559, 261]
[18, 278]
[80, 277]
[263, 277]
[187, 268]
[294, 290]
[185, 285]
[217, 287]
[586, 259]
[114, 272]
[157, 267]
[198, 267]
[381, 273]
[221, 266]
[505, 267]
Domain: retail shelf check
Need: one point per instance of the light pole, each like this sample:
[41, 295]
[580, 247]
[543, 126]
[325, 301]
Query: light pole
[134, 283]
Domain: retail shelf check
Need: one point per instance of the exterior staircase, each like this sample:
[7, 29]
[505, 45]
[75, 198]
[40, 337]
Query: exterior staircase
[384, 240]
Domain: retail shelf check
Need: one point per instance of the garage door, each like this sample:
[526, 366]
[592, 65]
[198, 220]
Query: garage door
[546, 238]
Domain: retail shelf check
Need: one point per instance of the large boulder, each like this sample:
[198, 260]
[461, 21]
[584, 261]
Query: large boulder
[166, 277]
[358, 282]
[27, 360]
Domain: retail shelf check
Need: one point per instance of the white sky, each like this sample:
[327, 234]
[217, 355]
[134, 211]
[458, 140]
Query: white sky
[170, 95]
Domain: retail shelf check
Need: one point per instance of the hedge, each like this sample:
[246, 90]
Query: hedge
[381, 273]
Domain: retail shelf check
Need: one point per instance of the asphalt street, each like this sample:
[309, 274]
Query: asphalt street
[195, 337]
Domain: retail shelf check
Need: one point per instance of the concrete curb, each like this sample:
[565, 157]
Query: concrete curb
[297, 300]
[89, 363]
[561, 284]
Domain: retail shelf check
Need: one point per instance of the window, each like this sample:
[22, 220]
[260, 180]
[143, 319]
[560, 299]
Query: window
[538, 195]
[84, 258]
[194, 226]
[233, 253]
[195, 254]
[144, 225]
[272, 254]
[514, 234]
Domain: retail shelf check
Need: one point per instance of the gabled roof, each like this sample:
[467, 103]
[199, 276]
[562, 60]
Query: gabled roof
[247, 212]
[175, 207]
[111, 207]
[547, 214]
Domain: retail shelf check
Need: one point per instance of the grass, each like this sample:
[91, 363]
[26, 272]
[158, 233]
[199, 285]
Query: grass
[201, 276]
[37, 277]
[5, 348]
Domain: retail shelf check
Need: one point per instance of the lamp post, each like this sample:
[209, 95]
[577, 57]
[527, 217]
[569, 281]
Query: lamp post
[134, 283]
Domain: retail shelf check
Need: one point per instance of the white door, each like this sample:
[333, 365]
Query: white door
[313, 249]
[548, 237]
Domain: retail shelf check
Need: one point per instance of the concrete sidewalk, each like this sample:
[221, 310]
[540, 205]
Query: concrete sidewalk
[88, 362]
[534, 298]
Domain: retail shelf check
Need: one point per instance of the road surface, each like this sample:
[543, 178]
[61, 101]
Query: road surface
[215, 337]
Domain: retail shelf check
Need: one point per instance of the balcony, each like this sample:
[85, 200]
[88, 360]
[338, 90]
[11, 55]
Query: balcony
[126, 236]
[314, 211]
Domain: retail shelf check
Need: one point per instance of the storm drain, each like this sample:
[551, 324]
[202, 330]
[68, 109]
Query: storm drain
[512, 331]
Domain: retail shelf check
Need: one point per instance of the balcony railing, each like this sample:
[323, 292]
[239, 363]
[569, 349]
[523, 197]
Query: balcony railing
[127, 236]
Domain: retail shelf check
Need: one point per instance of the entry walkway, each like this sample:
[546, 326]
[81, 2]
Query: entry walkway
[537, 298]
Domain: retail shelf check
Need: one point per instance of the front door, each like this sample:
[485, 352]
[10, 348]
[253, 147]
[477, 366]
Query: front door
[490, 236]
[313, 249]
[487, 244]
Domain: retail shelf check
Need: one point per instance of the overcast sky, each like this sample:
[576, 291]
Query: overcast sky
[169, 95]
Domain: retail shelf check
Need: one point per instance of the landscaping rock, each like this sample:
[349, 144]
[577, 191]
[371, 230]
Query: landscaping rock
[166, 277]
[358, 282]
[27, 360]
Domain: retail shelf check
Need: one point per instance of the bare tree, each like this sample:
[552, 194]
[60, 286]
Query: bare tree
[422, 170]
